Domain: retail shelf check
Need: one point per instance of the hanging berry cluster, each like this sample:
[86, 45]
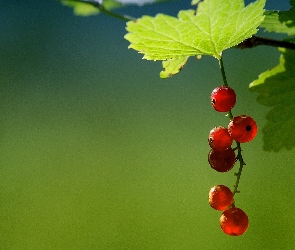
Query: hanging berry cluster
[222, 158]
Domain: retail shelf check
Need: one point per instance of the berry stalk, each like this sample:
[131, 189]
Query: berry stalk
[221, 66]
[230, 115]
[242, 163]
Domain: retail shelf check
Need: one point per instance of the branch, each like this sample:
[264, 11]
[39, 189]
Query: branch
[256, 40]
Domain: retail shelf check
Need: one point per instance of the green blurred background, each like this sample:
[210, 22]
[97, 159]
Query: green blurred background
[98, 152]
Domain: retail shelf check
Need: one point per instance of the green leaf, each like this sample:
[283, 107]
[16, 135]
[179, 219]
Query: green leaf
[89, 7]
[280, 22]
[80, 8]
[276, 88]
[111, 4]
[173, 66]
[218, 25]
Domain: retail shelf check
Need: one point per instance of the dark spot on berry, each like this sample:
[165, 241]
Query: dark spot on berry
[213, 101]
[248, 128]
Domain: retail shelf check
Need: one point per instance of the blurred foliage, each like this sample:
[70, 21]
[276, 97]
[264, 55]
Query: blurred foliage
[88, 8]
[280, 22]
[276, 88]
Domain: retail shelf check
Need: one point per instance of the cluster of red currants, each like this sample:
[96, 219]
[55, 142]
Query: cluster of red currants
[222, 158]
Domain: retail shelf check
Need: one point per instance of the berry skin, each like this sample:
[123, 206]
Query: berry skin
[242, 128]
[234, 221]
[222, 161]
[219, 139]
[220, 197]
[223, 98]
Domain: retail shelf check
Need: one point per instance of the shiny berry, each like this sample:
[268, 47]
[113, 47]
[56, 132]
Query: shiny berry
[242, 128]
[219, 139]
[220, 197]
[222, 161]
[223, 98]
[234, 221]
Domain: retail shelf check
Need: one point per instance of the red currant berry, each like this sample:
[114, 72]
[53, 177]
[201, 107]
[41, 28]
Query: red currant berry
[222, 161]
[234, 221]
[223, 98]
[219, 139]
[242, 128]
[220, 197]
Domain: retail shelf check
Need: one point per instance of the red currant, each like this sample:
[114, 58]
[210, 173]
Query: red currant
[219, 139]
[234, 221]
[220, 197]
[222, 161]
[223, 98]
[242, 128]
